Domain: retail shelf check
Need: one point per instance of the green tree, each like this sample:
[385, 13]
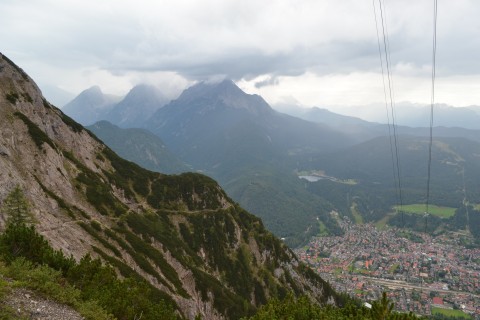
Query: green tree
[16, 208]
[301, 308]
[382, 309]
[20, 240]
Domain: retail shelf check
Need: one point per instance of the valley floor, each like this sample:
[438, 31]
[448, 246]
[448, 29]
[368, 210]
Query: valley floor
[420, 273]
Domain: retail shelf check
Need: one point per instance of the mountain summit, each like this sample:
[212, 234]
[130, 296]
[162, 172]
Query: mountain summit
[238, 139]
[90, 105]
[224, 94]
[210, 116]
[137, 106]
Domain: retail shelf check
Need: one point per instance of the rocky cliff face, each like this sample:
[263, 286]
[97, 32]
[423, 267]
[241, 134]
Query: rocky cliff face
[181, 233]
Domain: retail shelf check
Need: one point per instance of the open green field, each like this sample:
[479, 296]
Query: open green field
[451, 313]
[477, 207]
[350, 182]
[382, 223]
[356, 215]
[441, 212]
[323, 232]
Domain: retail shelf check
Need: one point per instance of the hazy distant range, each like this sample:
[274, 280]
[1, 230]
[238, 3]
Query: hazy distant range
[407, 113]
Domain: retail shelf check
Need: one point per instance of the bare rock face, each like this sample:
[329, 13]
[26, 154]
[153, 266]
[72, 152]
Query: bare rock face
[181, 233]
[24, 163]
[4, 151]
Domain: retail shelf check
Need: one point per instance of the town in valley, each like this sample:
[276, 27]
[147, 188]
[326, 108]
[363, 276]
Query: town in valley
[420, 273]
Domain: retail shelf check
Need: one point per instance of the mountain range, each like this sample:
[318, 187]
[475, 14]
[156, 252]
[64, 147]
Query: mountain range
[182, 234]
[257, 154]
[139, 146]
[131, 111]
[406, 114]
[90, 105]
[249, 148]
[211, 125]
[137, 107]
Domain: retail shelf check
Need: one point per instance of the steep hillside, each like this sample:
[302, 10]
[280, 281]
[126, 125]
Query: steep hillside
[139, 146]
[181, 233]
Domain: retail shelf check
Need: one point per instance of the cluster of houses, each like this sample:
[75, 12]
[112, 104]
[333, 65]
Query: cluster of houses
[420, 275]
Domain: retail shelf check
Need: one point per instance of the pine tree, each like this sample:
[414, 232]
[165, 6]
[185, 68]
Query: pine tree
[382, 309]
[16, 208]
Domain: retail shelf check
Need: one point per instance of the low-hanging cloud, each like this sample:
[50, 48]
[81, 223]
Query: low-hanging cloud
[236, 39]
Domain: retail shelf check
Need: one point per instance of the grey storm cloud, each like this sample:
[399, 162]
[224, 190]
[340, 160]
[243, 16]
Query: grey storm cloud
[267, 82]
[323, 59]
[236, 39]
[219, 40]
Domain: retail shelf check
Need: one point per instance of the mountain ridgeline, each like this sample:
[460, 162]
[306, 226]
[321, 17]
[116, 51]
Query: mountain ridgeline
[90, 106]
[198, 249]
[251, 150]
[139, 146]
[239, 140]
[211, 122]
[131, 111]
[257, 155]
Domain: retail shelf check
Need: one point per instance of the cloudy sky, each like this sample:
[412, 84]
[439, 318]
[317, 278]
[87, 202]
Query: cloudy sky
[308, 52]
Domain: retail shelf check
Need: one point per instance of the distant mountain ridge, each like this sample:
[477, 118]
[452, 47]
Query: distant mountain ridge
[362, 130]
[225, 94]
[416, 115]
[90, 105]
[406, 114]
[239, 139]
[221, 112]
[137, 107]
[250, 149]
[256, 152]
[140, 146]
[131, 111]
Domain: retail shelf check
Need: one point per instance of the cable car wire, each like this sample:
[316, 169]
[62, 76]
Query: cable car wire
[394, 145]
[432, 104]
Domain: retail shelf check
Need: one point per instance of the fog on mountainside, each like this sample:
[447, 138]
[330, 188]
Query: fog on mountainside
[406, 114]
[90, 106]
[57, 96]
[131, 111]
[137, 107]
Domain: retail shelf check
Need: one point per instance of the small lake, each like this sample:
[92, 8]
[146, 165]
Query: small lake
[311, 178]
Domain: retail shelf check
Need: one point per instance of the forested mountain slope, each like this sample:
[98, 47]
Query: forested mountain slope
[139, 146]
[182, 233]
